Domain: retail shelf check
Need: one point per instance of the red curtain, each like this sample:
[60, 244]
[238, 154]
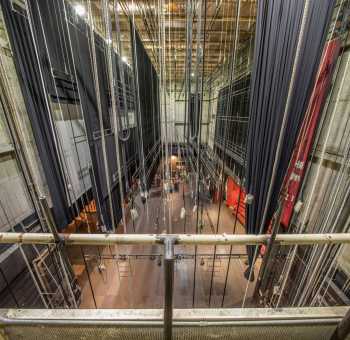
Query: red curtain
[234, 193]
[300, 155]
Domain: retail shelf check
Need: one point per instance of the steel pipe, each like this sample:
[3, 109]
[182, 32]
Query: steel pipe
[184, 239]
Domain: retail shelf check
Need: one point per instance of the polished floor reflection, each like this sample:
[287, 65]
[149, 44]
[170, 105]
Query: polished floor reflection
[136, 279]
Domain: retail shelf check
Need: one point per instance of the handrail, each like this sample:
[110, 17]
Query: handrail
[183, 239]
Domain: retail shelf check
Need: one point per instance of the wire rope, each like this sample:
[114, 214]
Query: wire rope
[301, 37]
[200, 41]
[112, 86]
[93, 59]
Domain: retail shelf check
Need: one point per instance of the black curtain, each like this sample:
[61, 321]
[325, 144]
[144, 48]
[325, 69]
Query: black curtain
[146, 86]
[193, 115]
[34, 94]
[277, 31]
[80, 40]
[68, 45]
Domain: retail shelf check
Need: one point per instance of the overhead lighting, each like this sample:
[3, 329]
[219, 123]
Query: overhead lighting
[192, 74]
[80, 10]
[125, 59]
[130, 7]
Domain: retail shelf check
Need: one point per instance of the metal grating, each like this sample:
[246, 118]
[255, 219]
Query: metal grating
[191, 324]
[191, 333]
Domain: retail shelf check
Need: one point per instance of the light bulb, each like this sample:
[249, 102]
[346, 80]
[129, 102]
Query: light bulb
[80, 10]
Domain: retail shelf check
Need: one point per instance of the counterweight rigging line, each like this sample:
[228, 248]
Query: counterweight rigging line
[301, 37]
[332, 206]
[218, 217]
[69, 114]
[292, 252]
[240, 187]
[199, 62]
[336, 211]
[73, 203]
[190, 21]
[188, 66]
[25, 165]
[88, 276]
[329, 256]
[172, 110]
[27, 175]
[321, 259]
[112, 85]
[199, 137]
[138, 105]
[164, 90]
[160, 101]
[93, 177]
[68, 68]
[93, 56]
[121, 135]
[291, 258]
[46, 100]
[182, 158]
[228, 107]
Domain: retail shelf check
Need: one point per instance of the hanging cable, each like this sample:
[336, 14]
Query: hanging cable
[71, 52]
[292, 253]
[75, 202]
[112, 88]
[93, 56]
[201, 39]
[123, 137]
[292, 84]
[138, 110]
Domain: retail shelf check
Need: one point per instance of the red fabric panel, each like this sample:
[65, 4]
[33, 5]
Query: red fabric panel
[297, 167]
[233, 193]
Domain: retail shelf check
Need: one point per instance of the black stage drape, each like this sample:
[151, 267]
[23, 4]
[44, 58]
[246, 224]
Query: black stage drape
[277, 32]
[146, 85]
[64, 51]
[27, 68]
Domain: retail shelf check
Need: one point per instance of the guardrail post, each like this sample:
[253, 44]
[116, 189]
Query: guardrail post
[168, 285]
[343, 328]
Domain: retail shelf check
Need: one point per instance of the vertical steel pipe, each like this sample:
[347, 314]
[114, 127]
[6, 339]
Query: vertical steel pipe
[168, 286]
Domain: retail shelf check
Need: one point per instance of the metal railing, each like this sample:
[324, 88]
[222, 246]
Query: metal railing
[169, 241]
